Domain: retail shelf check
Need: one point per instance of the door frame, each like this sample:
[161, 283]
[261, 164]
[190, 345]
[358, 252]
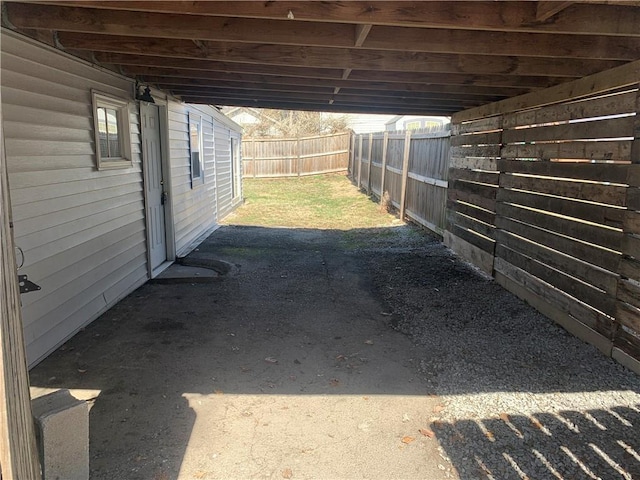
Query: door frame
[170, 243]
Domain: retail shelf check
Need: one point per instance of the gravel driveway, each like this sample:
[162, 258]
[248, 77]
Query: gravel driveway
[524, 399]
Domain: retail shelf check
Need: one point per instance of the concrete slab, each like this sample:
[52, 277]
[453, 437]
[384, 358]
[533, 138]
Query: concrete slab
[177, 273]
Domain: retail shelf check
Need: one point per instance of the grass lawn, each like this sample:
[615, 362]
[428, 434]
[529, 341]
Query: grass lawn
[318, 201]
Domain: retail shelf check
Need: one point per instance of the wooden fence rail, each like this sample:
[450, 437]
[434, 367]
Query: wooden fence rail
[544, 196]
[408, 170]
[294, 157]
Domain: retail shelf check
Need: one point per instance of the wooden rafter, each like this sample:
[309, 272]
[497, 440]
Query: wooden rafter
[318, 57]
[386, 56]
[482, 15]
[285, 32]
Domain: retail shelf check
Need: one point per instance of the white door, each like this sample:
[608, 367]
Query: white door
[154, 181]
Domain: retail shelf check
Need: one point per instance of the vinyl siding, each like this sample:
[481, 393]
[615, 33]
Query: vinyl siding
[223, 164]
[194, 209]
[197, 210]
[82, 231]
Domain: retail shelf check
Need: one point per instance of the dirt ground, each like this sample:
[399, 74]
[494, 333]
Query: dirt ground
[342, 354]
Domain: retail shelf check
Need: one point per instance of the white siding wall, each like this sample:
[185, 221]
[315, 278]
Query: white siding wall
[223, 165]
[194, 209]
[81, 230]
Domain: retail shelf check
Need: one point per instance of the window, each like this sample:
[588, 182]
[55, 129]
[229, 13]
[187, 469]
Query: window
[111, 125]
[195, 150]
[412, 125]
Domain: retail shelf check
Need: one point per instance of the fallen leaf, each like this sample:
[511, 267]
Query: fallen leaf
[426, 432]
[405, 417]
[408, 439]
[438, 408]
[271, 360]
[504, 417]
[536, 423]
[490, 436]
[218, 392]
[341, 357]
[287, 473]
[200, 474]
[368, 342]
[334, 382]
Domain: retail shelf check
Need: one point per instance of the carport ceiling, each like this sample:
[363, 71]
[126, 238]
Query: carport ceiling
[378, 57]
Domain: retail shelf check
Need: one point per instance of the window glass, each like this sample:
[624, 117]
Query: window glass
[195, 149]
[111, 131]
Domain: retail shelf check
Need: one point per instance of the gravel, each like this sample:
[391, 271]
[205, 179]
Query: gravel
[523, 398]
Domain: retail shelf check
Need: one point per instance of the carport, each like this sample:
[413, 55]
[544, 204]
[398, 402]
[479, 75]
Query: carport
[544, 186]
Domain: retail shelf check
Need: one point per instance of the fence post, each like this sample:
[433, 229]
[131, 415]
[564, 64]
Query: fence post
[253, 155]
[360, 161]
[298, 155]
[385, 143]
[370, 149]
[352, 152]
[405, 173]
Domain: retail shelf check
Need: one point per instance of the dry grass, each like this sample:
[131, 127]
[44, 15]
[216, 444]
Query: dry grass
[320, 201]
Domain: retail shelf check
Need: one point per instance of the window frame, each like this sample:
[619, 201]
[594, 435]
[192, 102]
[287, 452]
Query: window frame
[121, 106]
[196, 120]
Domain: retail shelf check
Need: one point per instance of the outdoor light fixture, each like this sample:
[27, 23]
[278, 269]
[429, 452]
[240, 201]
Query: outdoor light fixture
[145, 96]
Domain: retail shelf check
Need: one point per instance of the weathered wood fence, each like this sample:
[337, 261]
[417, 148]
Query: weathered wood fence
[411, 168]
[293, 157]
[544, 194]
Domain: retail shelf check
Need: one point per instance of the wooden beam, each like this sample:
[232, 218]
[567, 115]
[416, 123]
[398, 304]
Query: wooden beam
[250, 82]
[286, 32]
[521, 44]
[361, 78]
[322, 99]
[314, 107]
[383, 173]
[363, 96]
[482, 15]
[369, 150]
[624, 75]
[364, 76]
[405, 173]
[361, 32]
[547, 9]
[318, 57]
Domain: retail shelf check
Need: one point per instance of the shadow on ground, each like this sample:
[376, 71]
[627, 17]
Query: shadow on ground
[364, 353]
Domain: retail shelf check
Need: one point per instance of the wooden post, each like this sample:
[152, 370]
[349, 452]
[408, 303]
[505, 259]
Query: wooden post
[405, 173]
[18, 452]
[299, 160]
[370, 162]
[385, 144]
[352, 156]
[360, 162]
[253, 156]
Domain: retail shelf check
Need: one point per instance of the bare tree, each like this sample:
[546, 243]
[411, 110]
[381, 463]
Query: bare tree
[290, 123]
